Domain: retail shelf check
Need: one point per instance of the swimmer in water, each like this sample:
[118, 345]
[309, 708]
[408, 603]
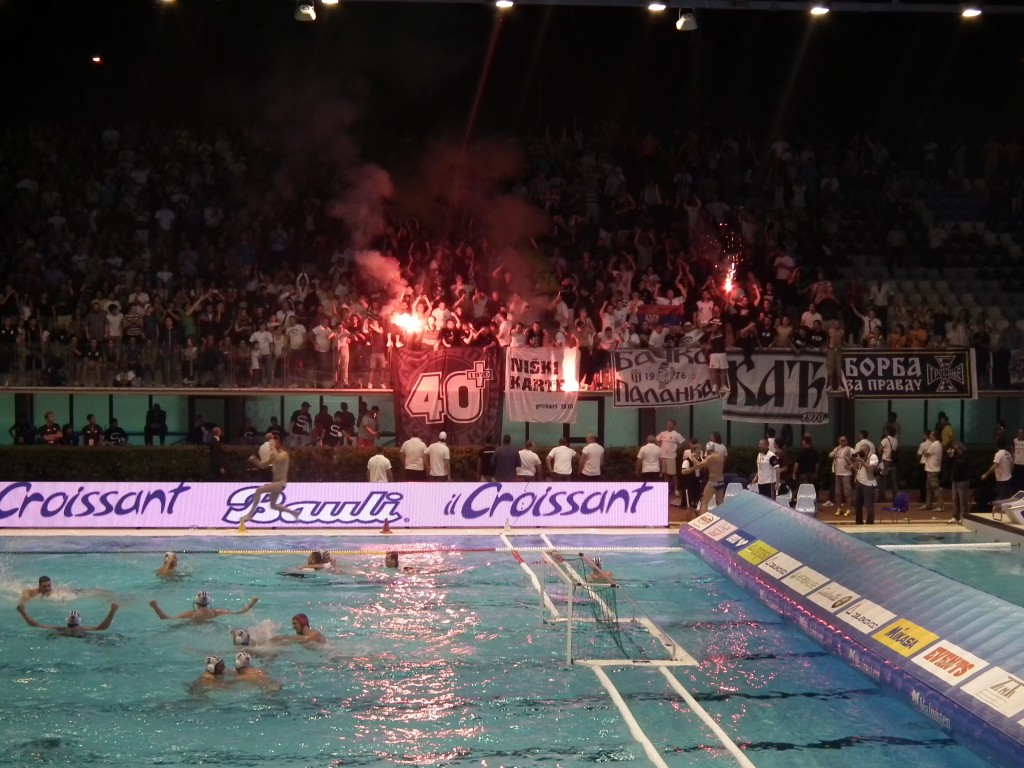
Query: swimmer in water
[169, 567]
[73, 626]
[303, 632]
[314, 562]
[212, 677]
[45, 589]
[391, 561]
[201, 610]
[246, 673]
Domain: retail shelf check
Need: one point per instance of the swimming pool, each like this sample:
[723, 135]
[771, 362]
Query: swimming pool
[447, 665]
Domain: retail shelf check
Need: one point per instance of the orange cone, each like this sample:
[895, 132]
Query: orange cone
[387, 527]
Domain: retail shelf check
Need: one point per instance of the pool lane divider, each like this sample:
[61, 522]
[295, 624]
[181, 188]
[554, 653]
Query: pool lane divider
[953, 652]
[340, 552]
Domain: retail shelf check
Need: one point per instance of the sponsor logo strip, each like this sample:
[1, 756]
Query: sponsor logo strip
[997, 688]
[833, 596]
[702, 522]
[867, 616]
[757, 552]
[905, 637]
[780, 565]
[804, 580]
[738, 539]
[949, 662]
[719, 530]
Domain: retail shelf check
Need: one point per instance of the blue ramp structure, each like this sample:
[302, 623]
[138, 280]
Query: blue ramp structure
[954, 652]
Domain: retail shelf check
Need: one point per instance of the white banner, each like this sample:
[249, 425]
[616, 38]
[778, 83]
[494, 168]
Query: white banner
[542, 384]
[334, 505]
[652, 378]
[777, 387]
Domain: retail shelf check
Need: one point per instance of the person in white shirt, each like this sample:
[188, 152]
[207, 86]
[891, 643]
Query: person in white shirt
[863, 443]
[378, 468]
[930, 452]
[530, 465]
[887, 462]
[591, 459]
[1018, 461]
[842, 470]
[767, 469]
[669, 441]
[648, 460]
[439, 459]
[1002, 469]
[715, 446]
[560, 459]
[866, 464]
[412, 451]
[692, 483]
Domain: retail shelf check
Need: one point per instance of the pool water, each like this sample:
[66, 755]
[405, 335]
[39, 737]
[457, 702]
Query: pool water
[449, 664]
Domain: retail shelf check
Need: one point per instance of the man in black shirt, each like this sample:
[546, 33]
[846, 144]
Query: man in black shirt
[805, 468]
[301, 426]
[347, 420]
[92, 433]
[115, 435]
[156, 424]
[51, 433]
[816, 337]
[485, 463]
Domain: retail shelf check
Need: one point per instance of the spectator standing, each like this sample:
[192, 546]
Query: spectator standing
[51, 433]
[347, 421]
[439, 459]
[218, 460]
[960, 474]
[887, 463]
[669, 441]
[591, 459]
[767, 470]
[648, 460]
[842, 470]
[1018, 461]
[560, 460]
[1002, 470]
[378, 468]
[805, 468]
[930, 452]
[530, 465]
[156, 425]
[865, 463]
[485, 463]
[92, 433]
[301, 426]
[412, 451]
[506, 461]
[369, 428]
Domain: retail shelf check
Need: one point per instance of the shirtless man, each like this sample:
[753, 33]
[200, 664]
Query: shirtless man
[45, 589]
[201, 610]
[834, 356]
[73, 627]
[251, 675]
[212, 677]
[714, 463]
[278, 460]
[303, 632]
[169, 567]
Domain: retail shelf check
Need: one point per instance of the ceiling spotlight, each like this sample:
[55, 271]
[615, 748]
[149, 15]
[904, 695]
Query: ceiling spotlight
[820, 9]
[329, 2]
[656, 7]
[971, 12]
[97, 59]
[503, 4]
[305, 11]
[687, 21]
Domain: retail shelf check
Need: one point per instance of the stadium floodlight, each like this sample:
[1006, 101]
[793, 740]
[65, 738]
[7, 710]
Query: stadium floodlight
[687, 21]
[329, 2]
[305, 11]
[820, 9]
[656, 6]
[503, 4]
[971, 12]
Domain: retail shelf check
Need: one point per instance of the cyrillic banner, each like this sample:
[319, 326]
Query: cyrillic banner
[777, 387]
[653, 378]
[456, 390]
[542, 384]
[910, 374]
[333, 505]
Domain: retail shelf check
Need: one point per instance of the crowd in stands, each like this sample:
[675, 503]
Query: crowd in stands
[147, 256]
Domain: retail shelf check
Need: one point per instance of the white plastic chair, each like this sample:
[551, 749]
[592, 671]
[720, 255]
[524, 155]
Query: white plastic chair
[732, 489]
[806, 499]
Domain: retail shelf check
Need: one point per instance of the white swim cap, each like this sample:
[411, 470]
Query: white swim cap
[169, 556]
[710, 447]
[242, 660]
[240, 637]
[212, 662]
[325, 556]
[202, 598]
[74, 619]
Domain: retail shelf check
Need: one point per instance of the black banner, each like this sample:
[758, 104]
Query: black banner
[455, 390]
[894, 374]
